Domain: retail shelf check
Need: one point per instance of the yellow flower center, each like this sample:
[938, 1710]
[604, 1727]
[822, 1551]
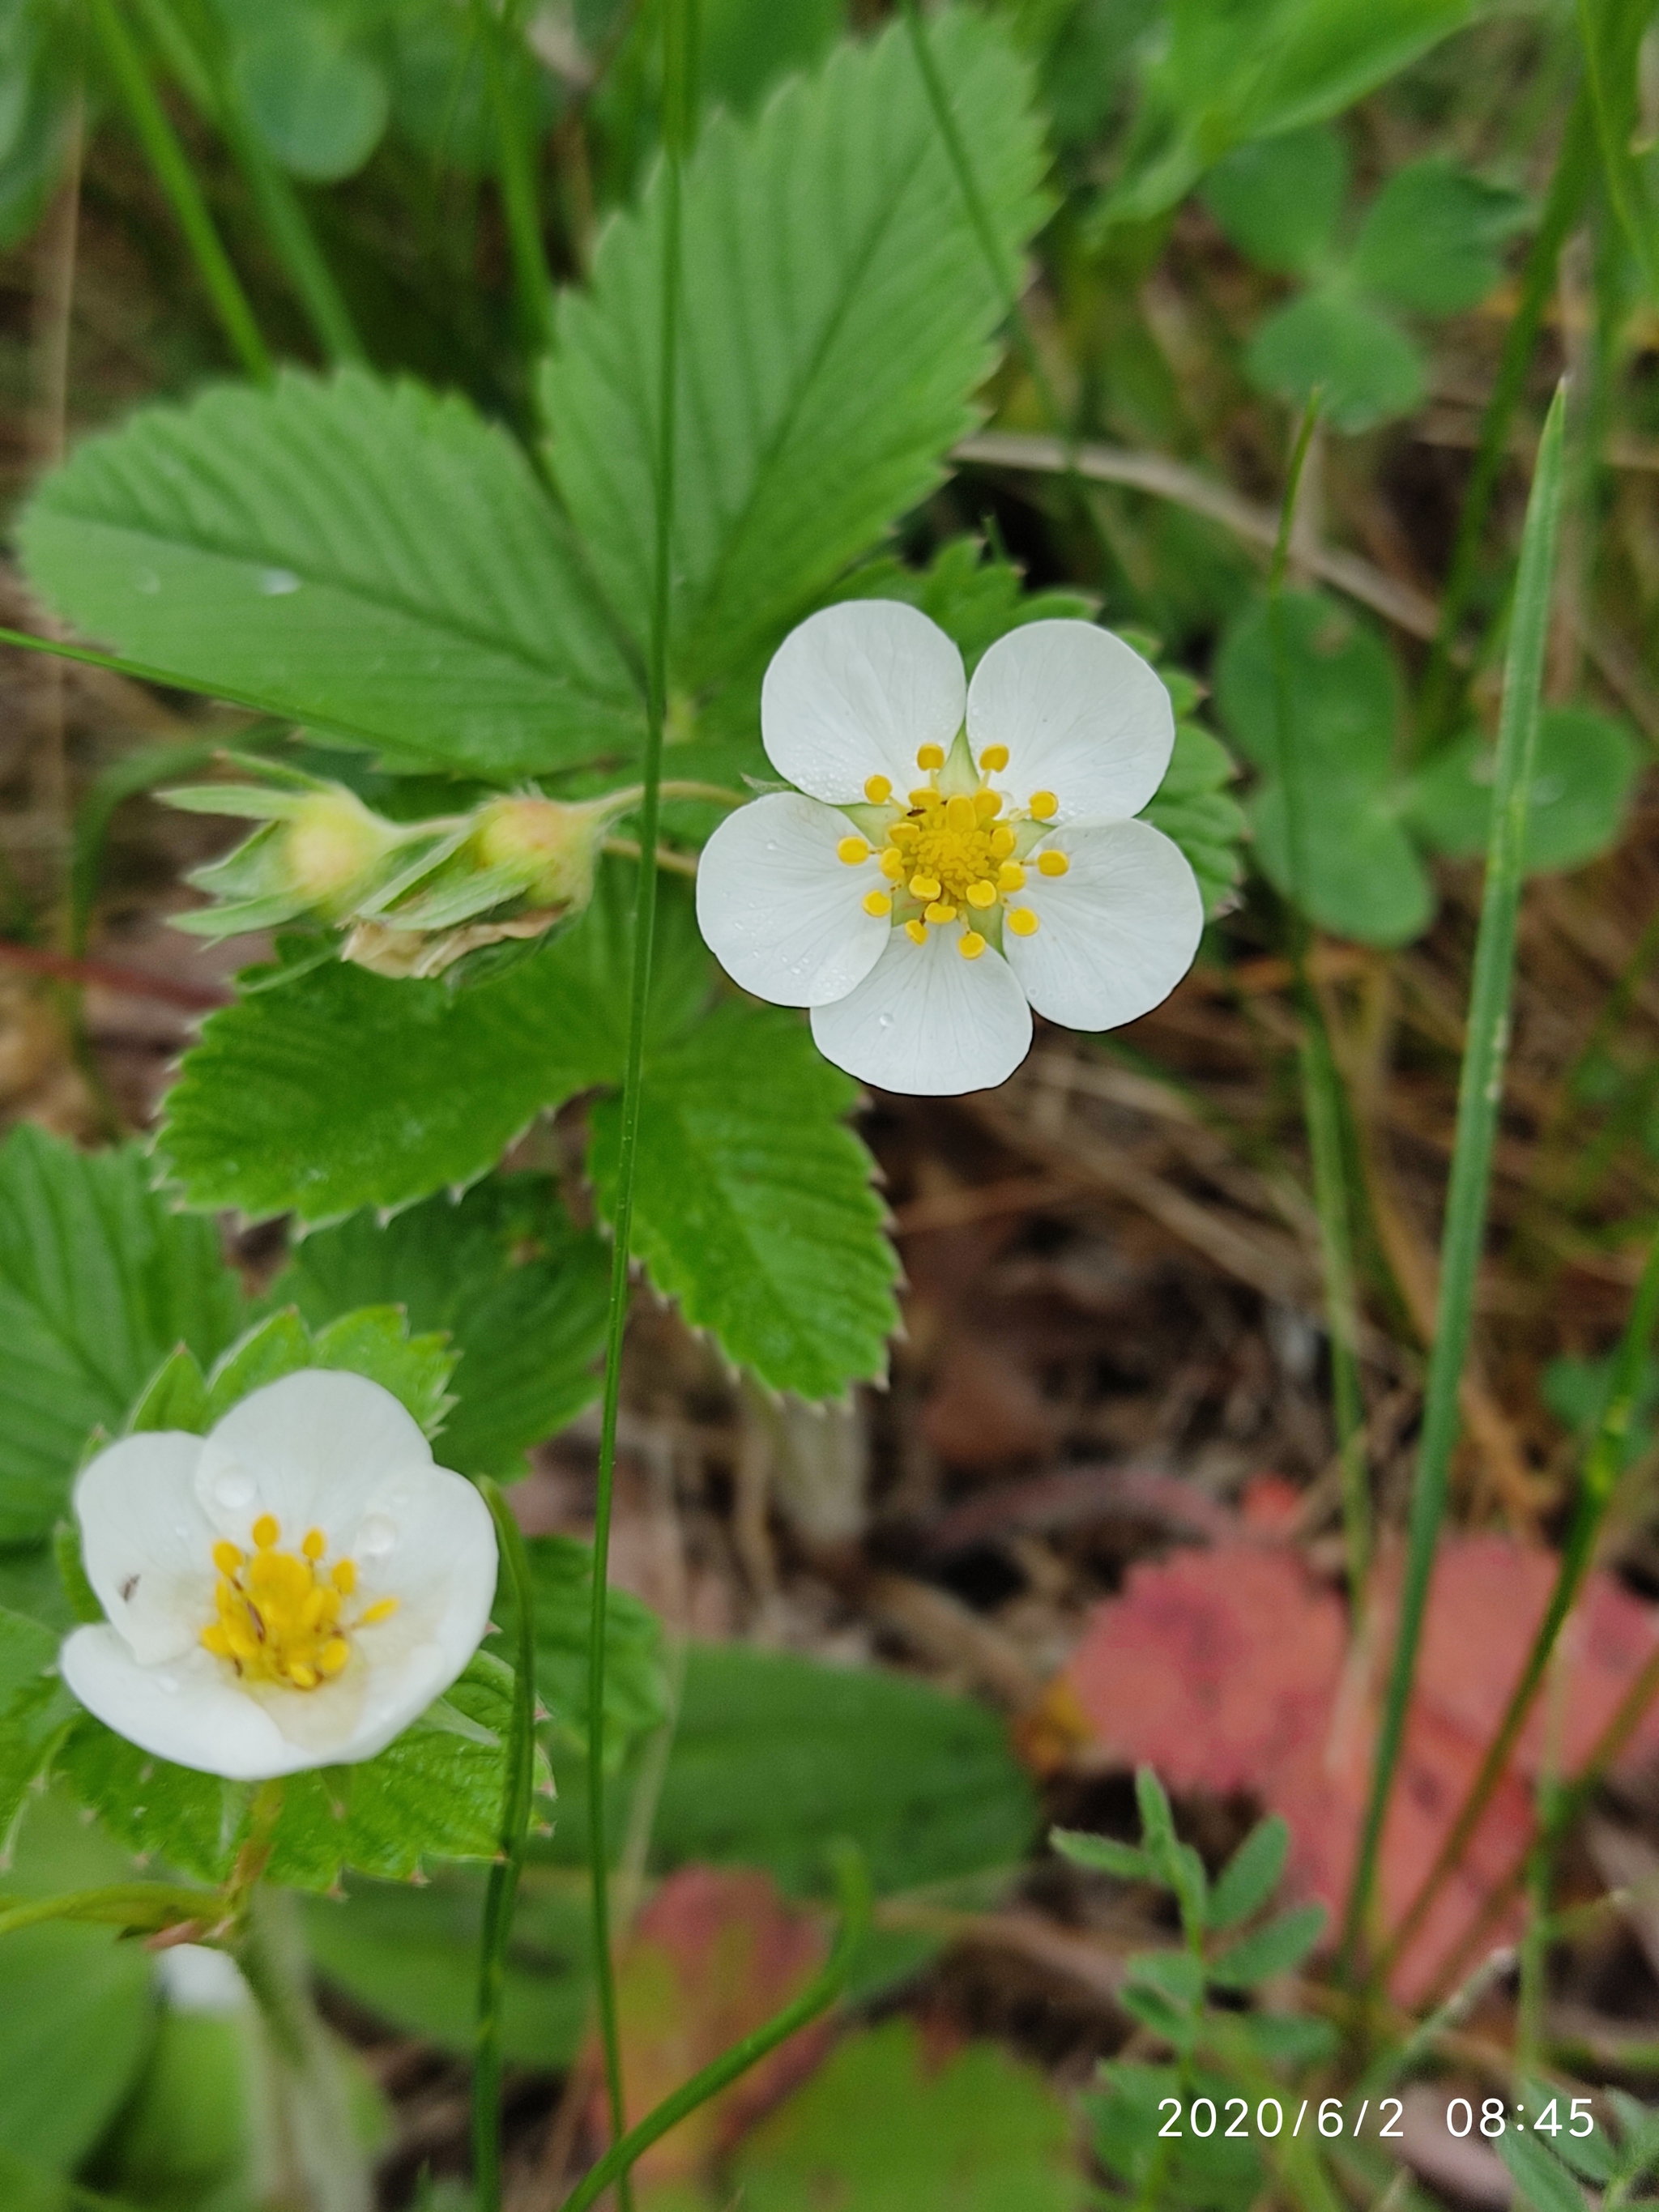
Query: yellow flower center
[950, 856]
[281, 1614]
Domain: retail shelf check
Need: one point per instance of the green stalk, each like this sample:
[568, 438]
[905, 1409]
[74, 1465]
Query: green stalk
[504, 1886]
[1602, 1466]
[176, 178]
[1611, 40]
[678, 111]
[1479, 1092]
[313, 2143]
[853, 1883]
[516, 176]
[1441, 686]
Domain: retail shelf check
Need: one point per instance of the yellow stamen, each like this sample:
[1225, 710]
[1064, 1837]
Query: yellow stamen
[1022, 922]
[1011, 877]
[941, 911]
[902, 832]
[345, 1577]
[961, 815]
[333, 1655]
[924, 887]
[993, 757]
[982, 894]
[303, 1676]
[852, 850]
[987, 804]
[892, 865]
[226, 1559]
[217, 1640]
[878, 789]
[266, 1529]
[916, 931]
[315, 1544]
[278, 1613]
[1044, 805]
[382, 1609]
[878, 904]
[931, 758]
[1003, 841]
[972, 945]
[1052, 863]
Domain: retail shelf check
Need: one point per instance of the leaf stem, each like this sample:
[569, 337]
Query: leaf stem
[1480, 1087]
[502, 1889]
[852, 1886]
[176, 178]
[679, 109]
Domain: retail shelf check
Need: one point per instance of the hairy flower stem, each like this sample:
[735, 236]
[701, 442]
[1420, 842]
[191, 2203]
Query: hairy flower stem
[679, 107]
[312, 2157]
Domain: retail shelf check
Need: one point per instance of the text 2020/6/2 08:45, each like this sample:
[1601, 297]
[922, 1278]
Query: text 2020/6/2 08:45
[1201, 2117]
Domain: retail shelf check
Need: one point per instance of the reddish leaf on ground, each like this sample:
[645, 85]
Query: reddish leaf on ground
[715, 1954]
[1231, 1670]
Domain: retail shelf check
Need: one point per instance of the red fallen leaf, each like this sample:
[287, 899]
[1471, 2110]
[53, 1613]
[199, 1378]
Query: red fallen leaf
[715, 1954]
[1230, 1670]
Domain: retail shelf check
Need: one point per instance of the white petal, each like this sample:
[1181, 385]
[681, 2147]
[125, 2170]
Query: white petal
[780, 912]
[927, 1022]
[1082, 715]
[191, 1712]
[854, 691]
[145, 1542]
[1117, 932]
[311, 1450]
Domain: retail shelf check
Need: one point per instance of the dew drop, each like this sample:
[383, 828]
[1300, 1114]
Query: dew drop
[884, 1021]
[169, 1683]
[234, 1490]
[376, 1537]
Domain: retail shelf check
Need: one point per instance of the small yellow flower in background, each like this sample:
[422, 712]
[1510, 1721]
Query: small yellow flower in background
[953, 854]
[289, 1591]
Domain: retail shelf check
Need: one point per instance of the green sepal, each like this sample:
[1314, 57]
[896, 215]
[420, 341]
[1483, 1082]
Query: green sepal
[78, 1592]
[176, 1397]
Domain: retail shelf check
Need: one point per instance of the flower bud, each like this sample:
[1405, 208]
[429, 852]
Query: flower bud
[332, 846]
[549, 845]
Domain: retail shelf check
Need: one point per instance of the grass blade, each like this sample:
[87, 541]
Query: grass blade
[1479, 1091]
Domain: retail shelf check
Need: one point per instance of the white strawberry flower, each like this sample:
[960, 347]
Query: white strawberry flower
[953, 854]
[289, 1591]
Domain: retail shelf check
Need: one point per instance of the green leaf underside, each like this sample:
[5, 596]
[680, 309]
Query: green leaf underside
[34, 1709]
[1193, 808]
[435, 1793]
[99, 1278]
[367, 558]
[753, 1203]
[520, 1291]
[836, 319]
[1364, 364]
[774, 1754]
[1278, 199]
[341, 1090]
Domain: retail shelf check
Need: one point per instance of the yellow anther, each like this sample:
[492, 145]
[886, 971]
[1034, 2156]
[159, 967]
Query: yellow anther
[902, 832]
[313, 1605]
[930, 756]
[916, 931]
[1052, 864]
[345, 1577]
[987, 804]
[941, 910]
[925, 797]
[961, 815]
[266, 1529]
[302, 1676]
[993, 758]
[1044, 805]
[1022, 922]
[1011, 877]
[878, 789]
[215, 1639]
[226, 1559]
[382, 1609]
[878, 904]
[972, 945]
[244, 1644]
[924, 887]
[852, 850]
[982, 894]
[333, 1655]
[1003, 841]
[892, 865]
[315, 1544]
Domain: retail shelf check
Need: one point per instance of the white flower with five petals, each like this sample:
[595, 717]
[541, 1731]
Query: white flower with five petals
[953, 854]
[289, 1591]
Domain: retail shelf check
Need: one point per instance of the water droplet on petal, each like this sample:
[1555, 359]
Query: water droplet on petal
[169, 1683]
[376, 1537]
[234, 1489]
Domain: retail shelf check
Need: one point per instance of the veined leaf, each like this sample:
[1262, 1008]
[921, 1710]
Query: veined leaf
[365, 557]
[836, 319]
[753, 1204]
[1273, 1948]
[99, 1278]
[340, 1090]
[1193, 808]
[34, 1709]
[1251, 1875]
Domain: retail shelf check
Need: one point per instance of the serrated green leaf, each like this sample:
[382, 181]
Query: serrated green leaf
[99, 1278]
[176, 1397]
[1278, 199]
[363, 557]
[1251, 1875]
[376, 1342]
[343, 1090]
[1104, 1855]
[637, 1698]
[1217, 2173]
[973, 597]
[35, 1710]
[1274, 1948]
[1544, 2184]
[519, 1289]
[279, 1345]
[836, 319]
[752, 1201]
[1583, 776]
[193, 1823]
[1192, 808]
[1431, 238]
[879, 2128]
[1366, 366]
